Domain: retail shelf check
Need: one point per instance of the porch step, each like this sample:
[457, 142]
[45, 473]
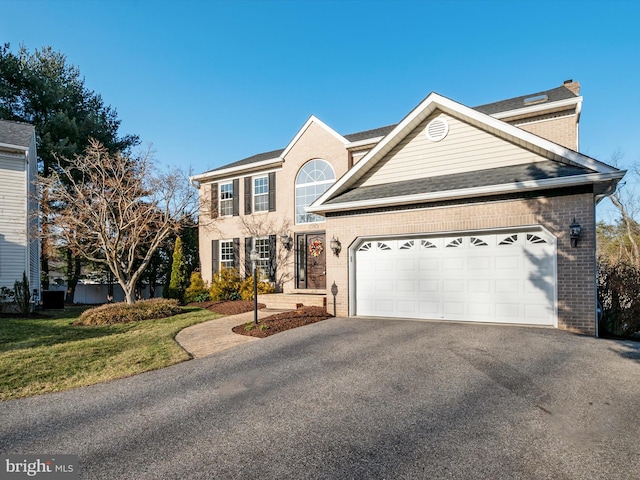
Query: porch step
[291, 301]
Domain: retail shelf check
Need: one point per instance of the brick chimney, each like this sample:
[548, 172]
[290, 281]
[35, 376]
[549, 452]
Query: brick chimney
[573, 86]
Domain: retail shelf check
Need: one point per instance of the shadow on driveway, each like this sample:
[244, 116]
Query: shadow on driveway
[357, 398]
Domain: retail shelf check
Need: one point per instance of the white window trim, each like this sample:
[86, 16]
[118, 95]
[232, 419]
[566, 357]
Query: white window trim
[220, 256]
[220, 200]
[297, 185]
[255, 195]
[266, 259]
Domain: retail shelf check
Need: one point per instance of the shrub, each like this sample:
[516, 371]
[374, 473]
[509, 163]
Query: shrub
[246, 288]
[6, 298]
[226, 285]
[619, 297]
[112, 313]
[22, 295]
[197, 291]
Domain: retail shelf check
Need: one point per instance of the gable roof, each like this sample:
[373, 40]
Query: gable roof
[337, 194]
[267, 159]
[312, 120]
[500, 108]
[16, 135]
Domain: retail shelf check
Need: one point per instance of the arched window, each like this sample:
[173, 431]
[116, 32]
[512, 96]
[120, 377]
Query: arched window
[314, 178]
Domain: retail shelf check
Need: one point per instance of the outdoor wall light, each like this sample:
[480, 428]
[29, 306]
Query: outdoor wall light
[335, 246]
[575, 232]
[287, 241]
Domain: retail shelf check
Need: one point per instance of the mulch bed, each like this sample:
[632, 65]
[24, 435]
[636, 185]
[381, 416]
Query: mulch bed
[281, 322]
[277, 323]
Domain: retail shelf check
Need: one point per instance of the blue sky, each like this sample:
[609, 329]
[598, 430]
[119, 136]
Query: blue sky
[211, 82]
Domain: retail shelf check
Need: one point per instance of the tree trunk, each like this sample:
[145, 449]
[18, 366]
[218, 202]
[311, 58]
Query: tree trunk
[44, 268]
[129, 294]
[73, 275]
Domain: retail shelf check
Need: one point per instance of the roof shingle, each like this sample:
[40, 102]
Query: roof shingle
[495, 176]
[14, 133]
[553, 95]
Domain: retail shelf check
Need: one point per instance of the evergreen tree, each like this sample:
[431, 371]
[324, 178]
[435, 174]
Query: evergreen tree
[178, 283]
[43, 89]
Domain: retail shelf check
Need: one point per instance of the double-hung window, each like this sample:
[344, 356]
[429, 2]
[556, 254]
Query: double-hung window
[261, 194]
[227, 255]
[226, 199]
[264, 258]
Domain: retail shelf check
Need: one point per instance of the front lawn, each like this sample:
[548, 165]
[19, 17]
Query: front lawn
[40, 355]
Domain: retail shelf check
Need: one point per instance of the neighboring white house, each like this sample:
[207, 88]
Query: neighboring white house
[19, 243]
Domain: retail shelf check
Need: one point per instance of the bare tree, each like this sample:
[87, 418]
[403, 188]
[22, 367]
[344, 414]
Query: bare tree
[263, 225]
[116, 210]
[626, 202]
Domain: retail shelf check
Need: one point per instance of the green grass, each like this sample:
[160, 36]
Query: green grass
[47, 355]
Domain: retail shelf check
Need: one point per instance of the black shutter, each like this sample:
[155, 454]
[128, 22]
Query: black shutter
[214, 200]
[272, 192]
[215, 258]
[247, 195]
[272, 258]
[236, 197]
[236, 254]
[247, 259]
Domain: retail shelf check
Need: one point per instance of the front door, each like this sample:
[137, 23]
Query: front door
[311, 256]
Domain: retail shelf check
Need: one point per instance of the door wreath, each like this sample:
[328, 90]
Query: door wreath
[316, 248]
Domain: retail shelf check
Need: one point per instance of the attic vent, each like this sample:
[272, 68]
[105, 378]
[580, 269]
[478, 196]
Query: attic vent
[536, 99]
[437, 129]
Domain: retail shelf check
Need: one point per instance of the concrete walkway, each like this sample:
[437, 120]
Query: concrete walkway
[215, 335]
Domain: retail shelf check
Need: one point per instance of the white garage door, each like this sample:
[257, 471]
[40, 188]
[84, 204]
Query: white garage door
[499, 277]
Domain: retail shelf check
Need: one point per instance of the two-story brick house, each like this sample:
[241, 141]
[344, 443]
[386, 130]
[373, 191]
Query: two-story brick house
[454, 213]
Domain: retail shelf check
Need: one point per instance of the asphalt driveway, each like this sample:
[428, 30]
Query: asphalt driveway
[357, 399]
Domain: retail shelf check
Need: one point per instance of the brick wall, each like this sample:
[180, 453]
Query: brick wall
[315, 142]
[576, 266]
[562, 130]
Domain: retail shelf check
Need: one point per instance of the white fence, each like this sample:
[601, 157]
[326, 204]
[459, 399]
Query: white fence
[91, 294]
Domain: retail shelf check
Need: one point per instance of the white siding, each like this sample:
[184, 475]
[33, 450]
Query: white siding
[34, 242]
[13, 218]
[465, 148]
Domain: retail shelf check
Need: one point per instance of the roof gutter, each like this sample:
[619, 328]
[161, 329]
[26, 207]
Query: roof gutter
[362, 143]
[483, 191]
[541, 107]
[16, 148]
[225, 172]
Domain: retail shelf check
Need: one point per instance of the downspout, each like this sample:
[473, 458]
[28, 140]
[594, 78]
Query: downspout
[595, 263]
[598, 198]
